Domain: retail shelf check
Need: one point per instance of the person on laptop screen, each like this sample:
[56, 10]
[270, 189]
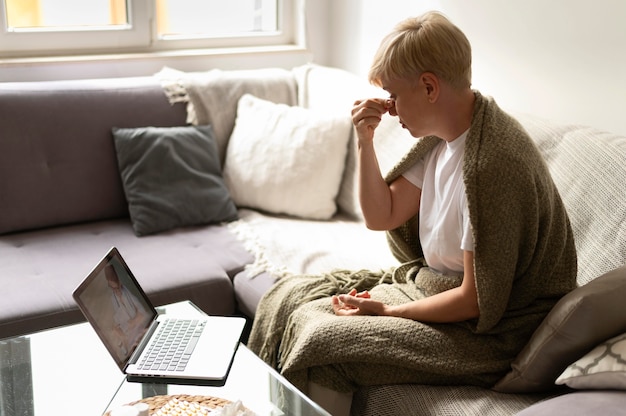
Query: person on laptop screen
[129, 317]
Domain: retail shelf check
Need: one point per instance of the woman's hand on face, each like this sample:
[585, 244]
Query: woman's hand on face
[356, 304]
[366, 116]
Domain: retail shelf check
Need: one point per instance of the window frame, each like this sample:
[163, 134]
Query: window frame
[139, 36]
[286, 34]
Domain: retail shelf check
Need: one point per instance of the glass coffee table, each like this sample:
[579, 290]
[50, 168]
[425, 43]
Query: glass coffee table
[67, 371]
[252, 382]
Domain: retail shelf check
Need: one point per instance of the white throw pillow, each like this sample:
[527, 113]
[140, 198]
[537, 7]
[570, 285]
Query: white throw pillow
[333, 91]
[286, 160]
[604, 367]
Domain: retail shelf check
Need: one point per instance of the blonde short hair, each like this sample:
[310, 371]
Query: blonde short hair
[428, 43]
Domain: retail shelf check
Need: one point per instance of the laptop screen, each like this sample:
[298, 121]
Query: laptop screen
[115, 305]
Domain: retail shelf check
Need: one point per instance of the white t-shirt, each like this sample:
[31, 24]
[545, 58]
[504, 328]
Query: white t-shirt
[445, 230]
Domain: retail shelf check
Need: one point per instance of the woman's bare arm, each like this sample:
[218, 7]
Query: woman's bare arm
[454, 305]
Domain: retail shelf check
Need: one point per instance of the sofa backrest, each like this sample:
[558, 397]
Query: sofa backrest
[589, 169]
[57, 158]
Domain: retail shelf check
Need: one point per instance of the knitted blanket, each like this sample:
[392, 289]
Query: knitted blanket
[212, 96]
[525, 260]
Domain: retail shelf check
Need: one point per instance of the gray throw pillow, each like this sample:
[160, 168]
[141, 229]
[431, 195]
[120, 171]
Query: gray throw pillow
[172, 177]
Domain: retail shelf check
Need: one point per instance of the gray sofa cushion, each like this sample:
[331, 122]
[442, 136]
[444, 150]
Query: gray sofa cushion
[57, 159]
[580, 404]
[172, 177]
[250, 289]
[196, 263]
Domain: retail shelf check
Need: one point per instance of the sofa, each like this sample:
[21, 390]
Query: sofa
[215, 184]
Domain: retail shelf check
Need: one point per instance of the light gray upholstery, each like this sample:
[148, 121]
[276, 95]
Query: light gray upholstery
[57, 158]
[582, 403]
[62, 205]
[249, 290]
[414, 400]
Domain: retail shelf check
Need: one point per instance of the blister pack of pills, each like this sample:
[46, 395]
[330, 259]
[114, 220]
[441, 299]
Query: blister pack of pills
[177, 407]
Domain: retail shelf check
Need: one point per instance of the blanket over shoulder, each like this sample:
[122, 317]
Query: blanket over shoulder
[524, 261]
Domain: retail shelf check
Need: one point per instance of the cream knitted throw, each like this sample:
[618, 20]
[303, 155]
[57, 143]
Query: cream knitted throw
[525, 260]
[212, 96]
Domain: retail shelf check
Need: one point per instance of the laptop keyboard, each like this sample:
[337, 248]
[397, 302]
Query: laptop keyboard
[172, 347]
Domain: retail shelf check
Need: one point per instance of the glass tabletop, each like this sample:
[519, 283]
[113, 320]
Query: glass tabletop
[251, 381]
[60, 371]
[68, 371]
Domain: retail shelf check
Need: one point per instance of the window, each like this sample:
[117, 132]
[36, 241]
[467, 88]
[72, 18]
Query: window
[64, 14]
[54, 27]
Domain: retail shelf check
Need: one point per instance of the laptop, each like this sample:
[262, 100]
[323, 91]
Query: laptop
[131, 329]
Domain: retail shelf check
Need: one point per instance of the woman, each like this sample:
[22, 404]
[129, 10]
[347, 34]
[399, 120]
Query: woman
[471, 211]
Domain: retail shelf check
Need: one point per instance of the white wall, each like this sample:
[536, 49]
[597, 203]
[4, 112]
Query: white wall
[560, 59]
[145, 65]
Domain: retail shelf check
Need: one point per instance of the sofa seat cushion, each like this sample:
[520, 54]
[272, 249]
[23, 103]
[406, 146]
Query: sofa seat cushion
[582, 403]
[416, 399]
[195, 263]
[287, 245]
[249, 289]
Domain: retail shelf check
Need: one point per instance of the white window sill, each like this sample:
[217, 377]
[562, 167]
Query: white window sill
[152, 55]
[46, 68]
